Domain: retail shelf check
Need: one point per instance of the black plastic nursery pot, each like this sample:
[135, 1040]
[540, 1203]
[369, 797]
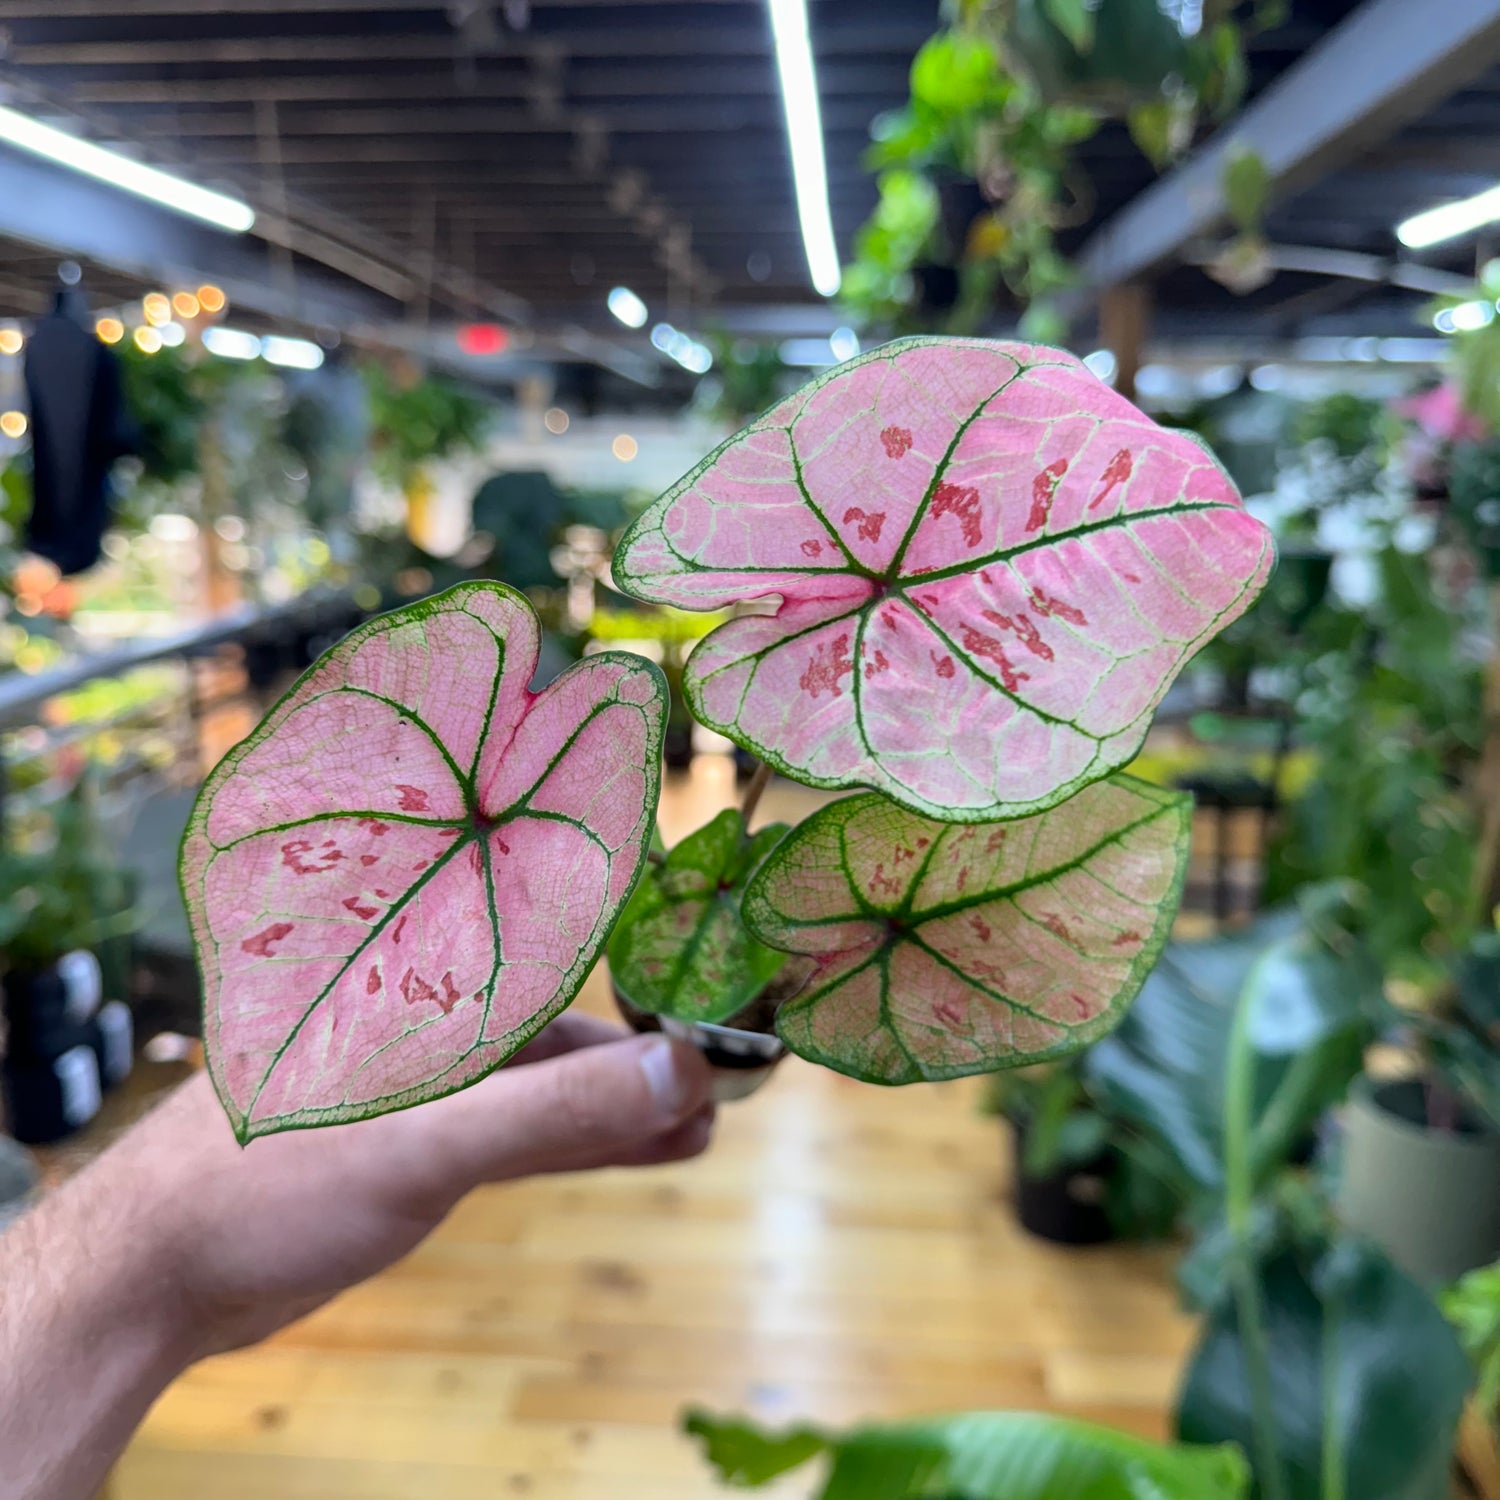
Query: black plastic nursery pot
[1067, 1207]
[45, 1008]
[743, 1049]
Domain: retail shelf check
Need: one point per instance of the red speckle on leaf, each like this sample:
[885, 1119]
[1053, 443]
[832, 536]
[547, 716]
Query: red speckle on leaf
[372, 980]
[450, 996]
[994, 842]
[360, 910]
[1131, 577]
[1081, 1006]
[870, 523]
[384, 895]
[259, 946]
[421, 864]
[942, 665]
[880, 881]
[397, 930]
[897, 441]
[476, 859]
[828, 664]
[295, 857]
[963, 878]
[413, 798]
[980, 926]
[902, 854]
[369, 859]
[950, 1013]
[880, 663]
[890, 619]
[961, 500]
[449, 833]
[1115, 474]
[375, 826]
[992, 972]
[1126, 939]
[812, 549]
[1045, 605]
[1043, 488]
[987, 646]
[415, 990]
[1026, 632]
[1057, 927]
[501, 845]
[923, 843]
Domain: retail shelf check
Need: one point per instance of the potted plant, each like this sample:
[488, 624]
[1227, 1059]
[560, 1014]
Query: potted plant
[1077, 1179]
[942, 637]
[61, 907]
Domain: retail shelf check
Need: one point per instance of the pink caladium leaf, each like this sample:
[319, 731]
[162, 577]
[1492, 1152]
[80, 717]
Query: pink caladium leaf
[990, 568]
[943, 949]
[411, 866]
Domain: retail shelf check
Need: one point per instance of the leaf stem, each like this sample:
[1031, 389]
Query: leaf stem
[755, 791]
[1239, 1199]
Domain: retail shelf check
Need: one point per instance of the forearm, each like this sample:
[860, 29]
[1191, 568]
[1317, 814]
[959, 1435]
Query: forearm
[91, 1331]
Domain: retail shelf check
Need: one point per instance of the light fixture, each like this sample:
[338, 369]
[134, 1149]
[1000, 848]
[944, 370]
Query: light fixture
[627, 307]
[110, 330]
[694, 357]
[122, 172]
[1103, 364]
[844, 342]
[186, 305]
[12, 340]
[147, 339]
[231, 343]
[625, 447]
[806, 354]
[290, 354]
[1449, 220]
[1467, 317]
[172, 335]
[556, 421]
[157, 307]
[804, 131]
[13, 424]
[211, 299]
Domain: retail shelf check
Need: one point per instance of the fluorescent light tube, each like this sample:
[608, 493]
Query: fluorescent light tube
[804, 133]
[627, 307]
[1449, 220]
[121, 172]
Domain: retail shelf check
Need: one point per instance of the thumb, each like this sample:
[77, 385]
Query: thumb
[595, 1107]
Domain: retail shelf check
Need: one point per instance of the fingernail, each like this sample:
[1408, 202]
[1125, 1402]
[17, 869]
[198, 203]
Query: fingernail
[659, 1064]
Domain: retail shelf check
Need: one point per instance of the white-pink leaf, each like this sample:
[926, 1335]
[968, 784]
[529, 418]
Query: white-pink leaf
[411, 866]
[990, 568]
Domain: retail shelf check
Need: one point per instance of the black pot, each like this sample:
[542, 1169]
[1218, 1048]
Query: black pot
[47, 1009]
[677, 746]
[1067, 1208]
[49, 1101]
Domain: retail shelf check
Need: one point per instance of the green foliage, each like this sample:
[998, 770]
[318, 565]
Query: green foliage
[423, 420]
[168, 396]
[1246, 184]
[1474, 352]
[1474, 500]
[751, 378]
[681, 948]
[979, 1456]
[1472, 1306]
[1369, 1381]
[65, 893]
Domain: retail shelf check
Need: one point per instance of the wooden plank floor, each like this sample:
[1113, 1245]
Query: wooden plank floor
[844, 1252]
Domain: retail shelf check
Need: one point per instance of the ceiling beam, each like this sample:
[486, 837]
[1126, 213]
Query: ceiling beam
[1390, 61]
[114, 10]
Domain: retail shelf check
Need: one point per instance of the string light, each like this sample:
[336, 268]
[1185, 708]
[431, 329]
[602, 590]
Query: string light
[13, 424]
[211, 299]
[186, 305]
[147, 340]
[11, 341]
[556, 420]
[625, 447]
[157, 307]
[110, 330]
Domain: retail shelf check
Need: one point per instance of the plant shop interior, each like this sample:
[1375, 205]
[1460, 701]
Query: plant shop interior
[937, 562]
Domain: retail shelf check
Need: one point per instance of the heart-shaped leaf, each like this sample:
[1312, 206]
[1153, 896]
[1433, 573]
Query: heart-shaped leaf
[681, 949]
[410, 867]
[990, 569]
[944, 949]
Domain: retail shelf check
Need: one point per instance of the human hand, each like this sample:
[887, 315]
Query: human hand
[246, 1241]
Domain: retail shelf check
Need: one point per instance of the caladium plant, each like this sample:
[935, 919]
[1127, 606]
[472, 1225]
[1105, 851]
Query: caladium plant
[983, 570]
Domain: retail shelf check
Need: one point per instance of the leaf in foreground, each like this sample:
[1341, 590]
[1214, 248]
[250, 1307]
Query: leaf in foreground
[989, 569]
[680, 949]
[410, 867]
[945, 949]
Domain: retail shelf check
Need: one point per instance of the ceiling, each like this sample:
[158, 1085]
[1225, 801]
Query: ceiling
[518, 158]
